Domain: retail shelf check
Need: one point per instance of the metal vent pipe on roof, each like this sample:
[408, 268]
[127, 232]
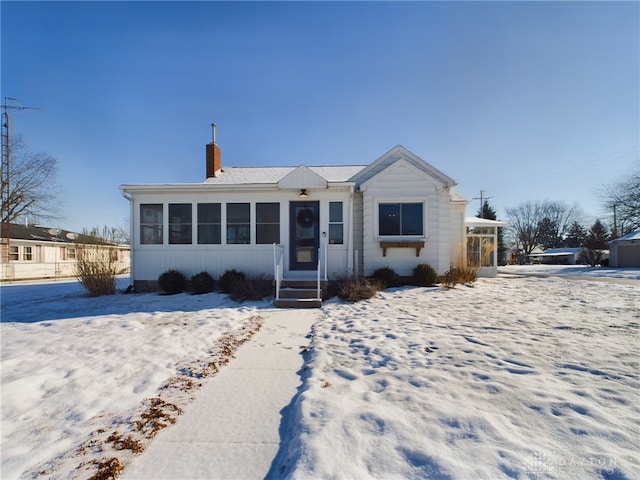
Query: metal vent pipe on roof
[213, 132]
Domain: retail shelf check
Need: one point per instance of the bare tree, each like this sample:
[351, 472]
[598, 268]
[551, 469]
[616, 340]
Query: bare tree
[31, 188]
[622, 199]
[524, 220]
[561, 215]
[108, 234]
[530, 220]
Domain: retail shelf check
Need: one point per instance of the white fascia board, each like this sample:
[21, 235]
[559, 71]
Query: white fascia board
[347, 185]
[484, 222]
[404, 162]
[194, 187]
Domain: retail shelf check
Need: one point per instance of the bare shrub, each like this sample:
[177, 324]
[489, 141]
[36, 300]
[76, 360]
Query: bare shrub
[449, 279]
[243, 288]
[97, 262]
[354, 289]
[464, 272]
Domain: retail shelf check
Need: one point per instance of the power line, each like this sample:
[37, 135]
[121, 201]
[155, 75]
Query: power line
[482, 199]
[574, 170]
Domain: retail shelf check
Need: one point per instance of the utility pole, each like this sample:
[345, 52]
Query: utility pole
[8, 104]
[482, 199]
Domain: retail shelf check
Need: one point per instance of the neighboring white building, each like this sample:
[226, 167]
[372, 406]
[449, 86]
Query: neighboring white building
[398, 211]
[558, 256]
[625, 251]
[35, 252]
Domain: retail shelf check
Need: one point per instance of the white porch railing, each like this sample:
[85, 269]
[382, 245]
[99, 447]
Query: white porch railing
[322, 257]
[278, 266]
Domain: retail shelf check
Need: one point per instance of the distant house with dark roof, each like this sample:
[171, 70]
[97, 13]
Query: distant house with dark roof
[299, 222]
[625, 251]
[36, 252]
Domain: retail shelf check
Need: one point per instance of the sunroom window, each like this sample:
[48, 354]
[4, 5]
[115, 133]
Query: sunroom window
[179, 223]
[209, 223]
[238, 223]
[267, 223]
[150, 223]
[400, 219]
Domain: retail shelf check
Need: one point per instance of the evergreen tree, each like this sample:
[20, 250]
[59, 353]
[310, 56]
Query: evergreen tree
[595, 243]
[576, 236]
[487, 211]
[548, 234]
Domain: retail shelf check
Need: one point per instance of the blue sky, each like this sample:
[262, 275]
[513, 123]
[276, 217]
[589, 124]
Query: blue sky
[526, 101]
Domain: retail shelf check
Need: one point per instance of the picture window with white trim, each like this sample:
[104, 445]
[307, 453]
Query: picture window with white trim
[401, 219]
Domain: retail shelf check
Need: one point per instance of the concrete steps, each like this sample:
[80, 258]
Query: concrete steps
[299, 294]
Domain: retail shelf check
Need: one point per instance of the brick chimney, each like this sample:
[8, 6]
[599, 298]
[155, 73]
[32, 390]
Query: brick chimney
[214, 156]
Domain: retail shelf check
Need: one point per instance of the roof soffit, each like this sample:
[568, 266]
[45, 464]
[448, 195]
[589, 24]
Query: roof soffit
[302, 177]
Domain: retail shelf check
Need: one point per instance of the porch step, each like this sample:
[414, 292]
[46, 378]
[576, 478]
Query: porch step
[294, 283]
[298, 303]
[300, 294]
[292, 292]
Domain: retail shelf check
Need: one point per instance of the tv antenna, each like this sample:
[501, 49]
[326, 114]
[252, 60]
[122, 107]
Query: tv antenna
[9, 104]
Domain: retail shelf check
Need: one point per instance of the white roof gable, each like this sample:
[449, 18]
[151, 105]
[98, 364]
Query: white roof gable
[396, 154]
[302, 177]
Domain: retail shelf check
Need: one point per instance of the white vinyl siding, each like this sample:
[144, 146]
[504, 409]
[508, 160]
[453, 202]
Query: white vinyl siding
[401, 183]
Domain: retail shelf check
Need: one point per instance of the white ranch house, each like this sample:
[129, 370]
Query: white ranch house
[36, 252]
[304, 222]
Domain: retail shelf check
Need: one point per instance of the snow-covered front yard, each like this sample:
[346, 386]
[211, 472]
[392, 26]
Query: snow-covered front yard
[513, 378]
